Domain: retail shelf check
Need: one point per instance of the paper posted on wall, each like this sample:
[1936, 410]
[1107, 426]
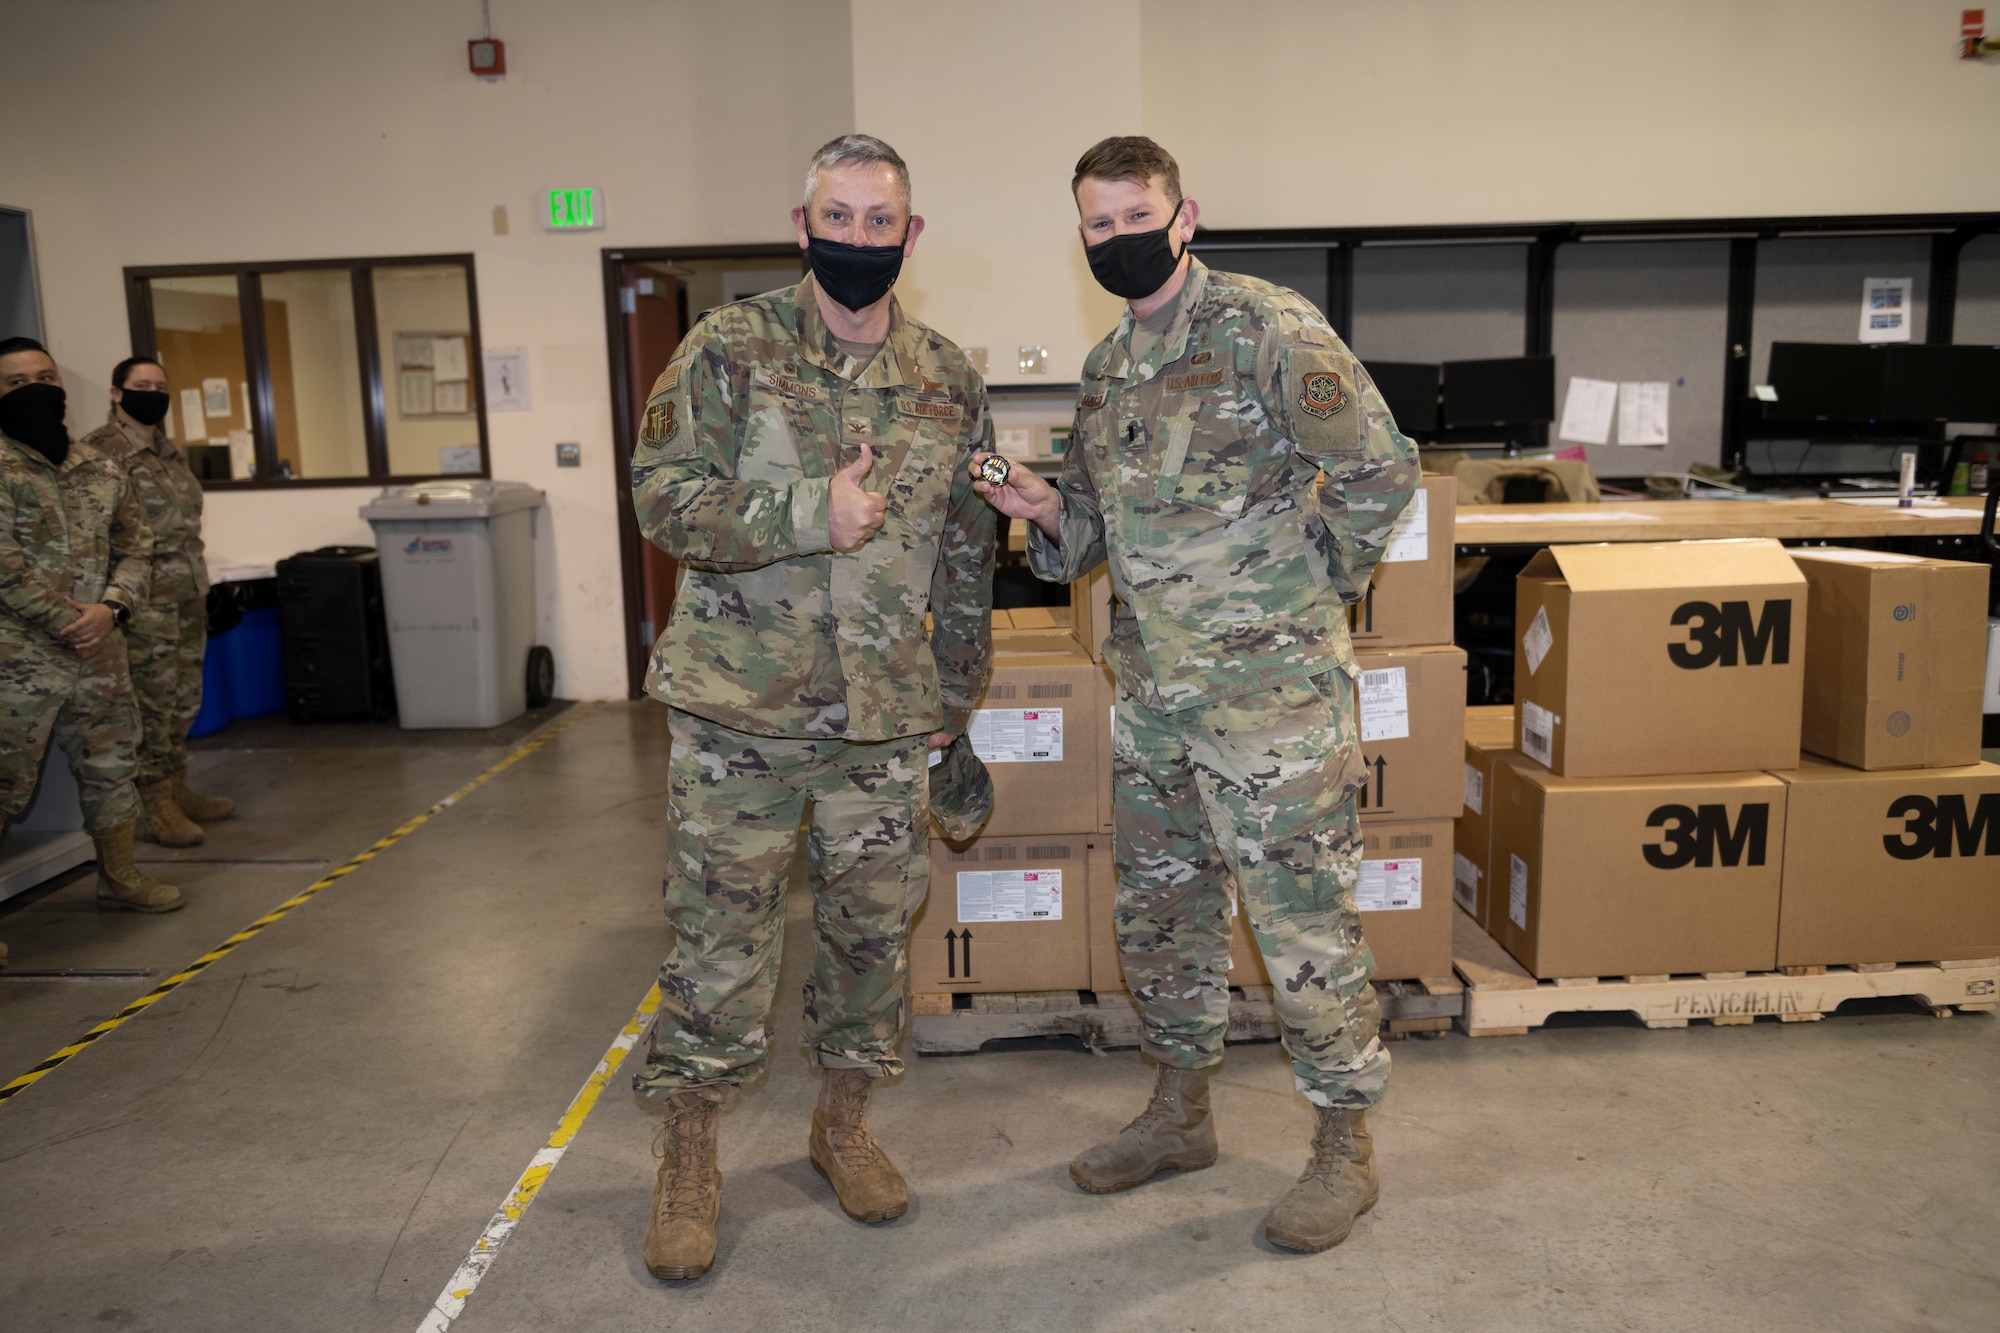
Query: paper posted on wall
[1886, 310]
[1586, 417]
[1642, 412]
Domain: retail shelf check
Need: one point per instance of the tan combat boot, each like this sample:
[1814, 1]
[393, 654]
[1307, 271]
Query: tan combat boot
[1339, 1185]
[166, 823]
[121, 885]
[869, 1186]
[201, 809]
[1174, 1132]
[687, 1196]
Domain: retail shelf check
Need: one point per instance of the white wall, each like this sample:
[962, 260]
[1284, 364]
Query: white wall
[1301, 113]
[143, 133]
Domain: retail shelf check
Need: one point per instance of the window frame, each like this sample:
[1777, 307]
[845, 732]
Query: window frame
[257, 367]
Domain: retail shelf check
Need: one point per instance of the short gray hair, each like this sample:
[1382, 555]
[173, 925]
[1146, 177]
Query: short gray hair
[855, 148]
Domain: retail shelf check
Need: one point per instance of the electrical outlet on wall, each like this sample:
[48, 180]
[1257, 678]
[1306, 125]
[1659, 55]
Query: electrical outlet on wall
[569, 455]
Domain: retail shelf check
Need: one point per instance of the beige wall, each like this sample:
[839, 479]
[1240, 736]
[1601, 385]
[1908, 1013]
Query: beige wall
[1303, 113]
[357, 131]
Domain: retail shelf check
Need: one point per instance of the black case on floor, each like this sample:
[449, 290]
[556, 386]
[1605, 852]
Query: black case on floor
[336, 637]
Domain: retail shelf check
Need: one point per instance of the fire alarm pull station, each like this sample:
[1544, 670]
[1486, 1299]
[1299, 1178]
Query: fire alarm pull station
[487, 56]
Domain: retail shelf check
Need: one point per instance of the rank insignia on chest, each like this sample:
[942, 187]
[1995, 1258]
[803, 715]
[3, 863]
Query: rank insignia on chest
[660, 424]
[1201, 358]
[1322, 395]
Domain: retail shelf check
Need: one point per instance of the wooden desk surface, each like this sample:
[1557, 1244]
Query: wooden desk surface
[1681, 520]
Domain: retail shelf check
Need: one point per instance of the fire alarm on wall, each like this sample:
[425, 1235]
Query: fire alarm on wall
[487, 56]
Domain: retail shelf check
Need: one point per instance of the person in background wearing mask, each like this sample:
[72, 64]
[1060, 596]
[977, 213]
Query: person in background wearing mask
[804, 457]
[1238, 470]
[168, 635]
[75, 551]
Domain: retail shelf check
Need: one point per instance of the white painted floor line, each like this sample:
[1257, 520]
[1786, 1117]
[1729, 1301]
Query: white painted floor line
[450, 1302]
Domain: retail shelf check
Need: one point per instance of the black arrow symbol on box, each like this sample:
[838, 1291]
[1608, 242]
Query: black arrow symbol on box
[966, 937]
[951, 953]
[1381, 770]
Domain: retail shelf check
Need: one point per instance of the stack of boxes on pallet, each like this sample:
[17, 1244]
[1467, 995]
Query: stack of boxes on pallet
[1010, 910]
[1412, 723]
[1655, 815]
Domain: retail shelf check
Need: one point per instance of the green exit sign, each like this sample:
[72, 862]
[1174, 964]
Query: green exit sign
[576, 209]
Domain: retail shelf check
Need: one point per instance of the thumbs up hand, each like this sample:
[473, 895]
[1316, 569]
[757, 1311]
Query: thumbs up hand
[853, 515]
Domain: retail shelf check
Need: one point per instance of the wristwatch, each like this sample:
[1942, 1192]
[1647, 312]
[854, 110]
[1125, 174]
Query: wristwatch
[120, 613]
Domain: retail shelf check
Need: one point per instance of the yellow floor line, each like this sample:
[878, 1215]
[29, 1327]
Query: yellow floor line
[450, 1302]
[276, 914]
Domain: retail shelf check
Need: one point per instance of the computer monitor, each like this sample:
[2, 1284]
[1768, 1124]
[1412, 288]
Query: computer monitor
[1941, 382]
[1514, 391]
[1826, 382]
[1411, 390]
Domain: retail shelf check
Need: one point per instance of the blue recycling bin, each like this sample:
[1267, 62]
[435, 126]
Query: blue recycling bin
[244, 672]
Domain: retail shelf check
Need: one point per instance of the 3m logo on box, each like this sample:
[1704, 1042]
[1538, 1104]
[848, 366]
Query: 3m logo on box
[1701, 835]
[1725, 635]
[1936, 827]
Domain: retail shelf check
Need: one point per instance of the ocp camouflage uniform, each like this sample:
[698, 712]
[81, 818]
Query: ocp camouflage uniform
[798, 672]
[78, 532]
[1241, 477]
[168, 636]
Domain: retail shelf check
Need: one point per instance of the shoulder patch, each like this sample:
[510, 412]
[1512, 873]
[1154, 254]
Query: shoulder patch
[1321, 393]
[661, 423]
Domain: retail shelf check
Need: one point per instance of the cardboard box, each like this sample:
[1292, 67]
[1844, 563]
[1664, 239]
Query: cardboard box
[1004, 914]
[1406, 862]
[1412, 725]
[1409, 597]
[1090, 610]
[1642, 658]
[1038, 728]
[1033, 629]
[1489, 733]
[1106, 973]
[1108, 717]
[1894, 658]
[1901, 866]
[1636, 876]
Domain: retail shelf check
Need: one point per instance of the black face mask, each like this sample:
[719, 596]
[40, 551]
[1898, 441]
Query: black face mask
[144, 406]
[33, 414]
[1136, 264]
[856, 276]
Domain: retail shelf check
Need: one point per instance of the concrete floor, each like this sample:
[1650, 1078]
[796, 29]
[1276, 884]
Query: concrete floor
[312, 1133]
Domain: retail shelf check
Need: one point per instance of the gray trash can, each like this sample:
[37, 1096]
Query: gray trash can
[458, 587]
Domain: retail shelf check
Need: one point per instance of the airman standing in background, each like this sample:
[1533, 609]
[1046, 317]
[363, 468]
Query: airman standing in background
[75, 552]
[1238, 470]
[168, 635]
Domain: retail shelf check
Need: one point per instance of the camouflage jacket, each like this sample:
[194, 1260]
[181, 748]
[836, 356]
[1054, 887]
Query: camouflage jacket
[172, 496]
[77, 531]
[774, 632]
[1241, 479]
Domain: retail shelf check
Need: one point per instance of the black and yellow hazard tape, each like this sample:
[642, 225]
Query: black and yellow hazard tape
[278, 913]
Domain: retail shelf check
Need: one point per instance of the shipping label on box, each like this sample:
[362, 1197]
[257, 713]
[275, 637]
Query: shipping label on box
[1004, 914]
[1894, 656]
[1411, 718]
[1409, 599]
[1036, 728]
[1405, 901]
[1487, 738]
[1896, 866]
[1618, 876]
[1660, 658]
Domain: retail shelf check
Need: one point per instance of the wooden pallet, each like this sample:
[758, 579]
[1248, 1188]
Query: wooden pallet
[1503, 1000]
[1109, 1020]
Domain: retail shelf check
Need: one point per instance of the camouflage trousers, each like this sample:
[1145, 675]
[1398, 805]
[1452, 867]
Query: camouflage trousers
[166, 642]
[86, 705]
[1258, 789]
[734, 805]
